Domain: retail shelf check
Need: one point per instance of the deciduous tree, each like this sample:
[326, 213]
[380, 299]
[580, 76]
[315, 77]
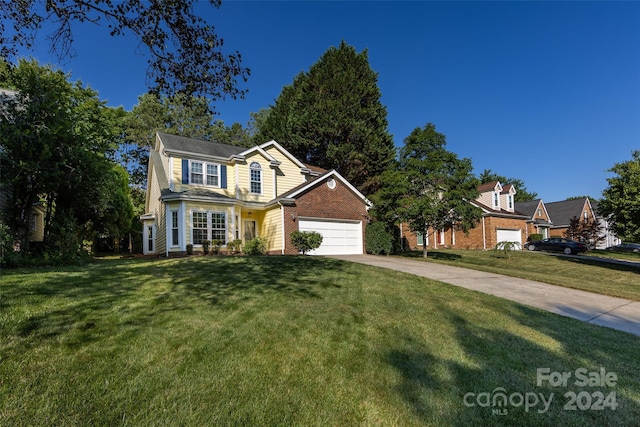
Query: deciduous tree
[431, 189]
[621, 199]
[185, 54]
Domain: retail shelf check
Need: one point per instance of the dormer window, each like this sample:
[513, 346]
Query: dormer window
[510, 198]
[496, 200]
[255, 178]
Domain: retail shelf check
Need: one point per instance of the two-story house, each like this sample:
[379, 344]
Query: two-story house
[199, 190]
[500, 222]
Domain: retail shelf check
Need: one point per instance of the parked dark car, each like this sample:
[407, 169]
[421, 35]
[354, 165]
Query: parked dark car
[625, 247]
[557, 244]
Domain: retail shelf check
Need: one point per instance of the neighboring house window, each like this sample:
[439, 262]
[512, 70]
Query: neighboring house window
[496, 200]
[420, 239]
[510, 197]
[196, 173]
[539, 212]
[212, 175]
[256, 178]
[174, 229]
[34, 222]
[586, 216]
[199, 226]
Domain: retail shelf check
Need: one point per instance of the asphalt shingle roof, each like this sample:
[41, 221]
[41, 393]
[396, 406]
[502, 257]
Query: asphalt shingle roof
[562, 212]
[199, 146]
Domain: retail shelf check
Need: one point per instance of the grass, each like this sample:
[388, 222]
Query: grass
[591, 274]
[285, 341]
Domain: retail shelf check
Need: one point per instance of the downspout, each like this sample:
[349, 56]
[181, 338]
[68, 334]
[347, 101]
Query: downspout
[282, 221]
[484, 237]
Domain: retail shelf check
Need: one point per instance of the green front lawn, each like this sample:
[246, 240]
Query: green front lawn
[289, 341]
[591, 275]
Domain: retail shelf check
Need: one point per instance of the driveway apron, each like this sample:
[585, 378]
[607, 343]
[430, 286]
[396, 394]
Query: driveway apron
[612, 312]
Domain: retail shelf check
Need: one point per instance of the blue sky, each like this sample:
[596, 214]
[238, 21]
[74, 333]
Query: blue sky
[548, 92]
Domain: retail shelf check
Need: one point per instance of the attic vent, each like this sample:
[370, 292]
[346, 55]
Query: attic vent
[331, 183]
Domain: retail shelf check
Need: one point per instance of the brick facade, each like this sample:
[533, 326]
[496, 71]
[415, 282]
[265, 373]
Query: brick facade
[483, 236]
[320, 201]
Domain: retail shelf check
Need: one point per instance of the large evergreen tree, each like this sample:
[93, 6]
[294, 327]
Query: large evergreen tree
[431, 188]
[621, 199]
[332, 117]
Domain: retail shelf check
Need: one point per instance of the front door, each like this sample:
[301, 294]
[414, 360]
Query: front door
[249, 230]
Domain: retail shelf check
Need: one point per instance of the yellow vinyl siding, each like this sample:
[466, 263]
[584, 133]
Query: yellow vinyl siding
[191, 207]
[271, 228]
[178, 186]
[267, 179]
[289, 175]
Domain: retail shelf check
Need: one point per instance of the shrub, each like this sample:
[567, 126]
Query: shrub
[189, 249]
[257, 246]
[215, 245]
[306, 241]
[535, 237]
[378, 239]
[205, 246]
[234, 246]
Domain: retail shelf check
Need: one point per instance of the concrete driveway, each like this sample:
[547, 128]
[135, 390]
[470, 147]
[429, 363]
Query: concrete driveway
[612, 312]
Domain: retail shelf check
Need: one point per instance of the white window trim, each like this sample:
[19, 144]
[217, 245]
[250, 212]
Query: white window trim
[261, 179]
[204, 173]
[171, 212]
[209, 225]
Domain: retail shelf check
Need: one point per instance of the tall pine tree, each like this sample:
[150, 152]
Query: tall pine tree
[332, 117]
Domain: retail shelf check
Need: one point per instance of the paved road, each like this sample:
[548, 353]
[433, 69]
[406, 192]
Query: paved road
[612, 312]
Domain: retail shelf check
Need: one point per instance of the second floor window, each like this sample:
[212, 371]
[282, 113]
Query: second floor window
[255, 178]
[196, 173]
[202, 173]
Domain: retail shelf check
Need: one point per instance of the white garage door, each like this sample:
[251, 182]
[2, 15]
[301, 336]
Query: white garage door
[504, 235]
[339, 237]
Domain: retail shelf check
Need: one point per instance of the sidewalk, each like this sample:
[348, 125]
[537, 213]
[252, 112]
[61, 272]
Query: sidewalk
[612, 312]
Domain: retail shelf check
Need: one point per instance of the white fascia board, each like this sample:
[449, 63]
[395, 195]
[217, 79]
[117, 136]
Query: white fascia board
[194, 156]
[335, 174]
[283, 151]
[259, 150]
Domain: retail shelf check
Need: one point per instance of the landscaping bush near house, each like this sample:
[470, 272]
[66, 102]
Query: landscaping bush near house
[205, 246]
[234, 246]
[189, 249]
[306, 241]
[535, 237]
[215, 246]
[257, 246]
[378, 239]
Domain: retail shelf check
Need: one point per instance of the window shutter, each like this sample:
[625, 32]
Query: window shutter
[185, 171]
[223, 176]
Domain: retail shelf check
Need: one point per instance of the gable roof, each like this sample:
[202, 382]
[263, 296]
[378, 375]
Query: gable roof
[529, 207]
[294, 192]
[182, 145]
[487, 211]
[562, 212]
[489, 186]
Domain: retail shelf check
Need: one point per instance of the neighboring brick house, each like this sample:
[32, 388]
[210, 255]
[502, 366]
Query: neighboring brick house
[561, 214]
[500, 222]
[200, 190]
[538, 221]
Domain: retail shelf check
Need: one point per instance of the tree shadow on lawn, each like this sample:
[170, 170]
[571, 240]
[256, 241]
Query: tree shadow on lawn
[84, 303]
[611, 264]
[444, 390]
[433, 254]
